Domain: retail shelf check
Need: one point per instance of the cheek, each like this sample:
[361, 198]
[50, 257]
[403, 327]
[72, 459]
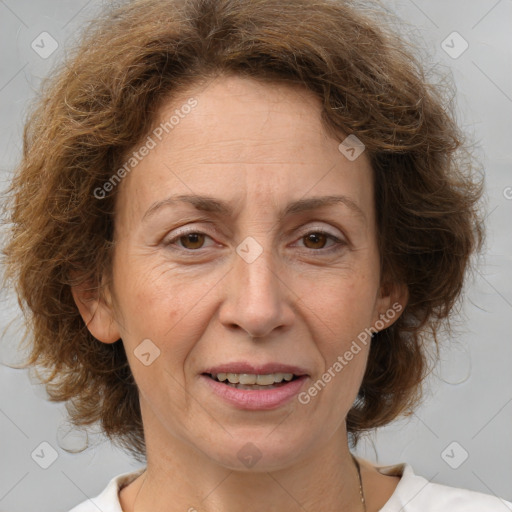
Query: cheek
[160, 302]
[341, 308]
[343, 302]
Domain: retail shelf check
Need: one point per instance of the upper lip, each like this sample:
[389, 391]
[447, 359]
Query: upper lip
[264, 369]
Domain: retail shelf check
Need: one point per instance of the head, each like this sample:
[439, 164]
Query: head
[239, 104]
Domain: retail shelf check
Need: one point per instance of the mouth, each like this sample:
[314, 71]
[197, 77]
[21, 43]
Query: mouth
[246, 386]
[252, 381]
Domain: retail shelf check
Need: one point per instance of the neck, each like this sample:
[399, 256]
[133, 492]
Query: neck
[180, 478]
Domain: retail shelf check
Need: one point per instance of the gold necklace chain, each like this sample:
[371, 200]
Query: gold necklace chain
[356, 462]
[361, 493]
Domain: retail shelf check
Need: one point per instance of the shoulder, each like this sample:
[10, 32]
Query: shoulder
[108, 499]
[415, 493]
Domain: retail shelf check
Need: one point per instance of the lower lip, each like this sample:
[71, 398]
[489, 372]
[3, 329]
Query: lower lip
[261, 399]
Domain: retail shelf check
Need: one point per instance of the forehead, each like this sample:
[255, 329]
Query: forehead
[251, 118]
[245, 140]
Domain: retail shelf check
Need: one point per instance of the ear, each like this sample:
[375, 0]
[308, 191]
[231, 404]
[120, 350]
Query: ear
[96, 311]
[391, 302]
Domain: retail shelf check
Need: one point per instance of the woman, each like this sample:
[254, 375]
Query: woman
[234, 228]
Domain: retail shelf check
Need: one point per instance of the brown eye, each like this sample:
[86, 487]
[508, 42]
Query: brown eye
[187, 241]
[192, 240]
[316, 240]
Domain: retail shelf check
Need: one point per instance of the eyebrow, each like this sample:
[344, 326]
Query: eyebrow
[210, 204]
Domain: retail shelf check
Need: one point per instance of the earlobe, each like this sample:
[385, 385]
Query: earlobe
[96, 313]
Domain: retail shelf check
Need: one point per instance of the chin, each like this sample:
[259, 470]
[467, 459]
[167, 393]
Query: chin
[258, 450]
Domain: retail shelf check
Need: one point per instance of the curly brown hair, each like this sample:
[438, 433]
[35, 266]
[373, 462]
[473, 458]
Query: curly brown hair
[103, 100]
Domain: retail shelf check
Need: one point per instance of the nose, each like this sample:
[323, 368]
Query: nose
[257, 299]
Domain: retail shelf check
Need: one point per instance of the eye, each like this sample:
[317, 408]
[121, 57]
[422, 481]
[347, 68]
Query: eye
[190, 240]
[316, 240]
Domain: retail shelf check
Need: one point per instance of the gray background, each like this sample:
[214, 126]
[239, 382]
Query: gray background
[460, 436]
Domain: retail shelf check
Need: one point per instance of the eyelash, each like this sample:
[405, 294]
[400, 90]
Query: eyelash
[339, 244]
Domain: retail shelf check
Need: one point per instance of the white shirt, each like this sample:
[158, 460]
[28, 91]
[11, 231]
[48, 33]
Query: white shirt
[412, 494]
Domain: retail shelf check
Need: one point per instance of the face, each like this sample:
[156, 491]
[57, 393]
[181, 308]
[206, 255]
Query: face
[255, 279]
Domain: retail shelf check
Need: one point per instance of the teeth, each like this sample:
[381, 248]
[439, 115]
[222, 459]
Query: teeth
[265, 380]
[247, 378]
[251, 379]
